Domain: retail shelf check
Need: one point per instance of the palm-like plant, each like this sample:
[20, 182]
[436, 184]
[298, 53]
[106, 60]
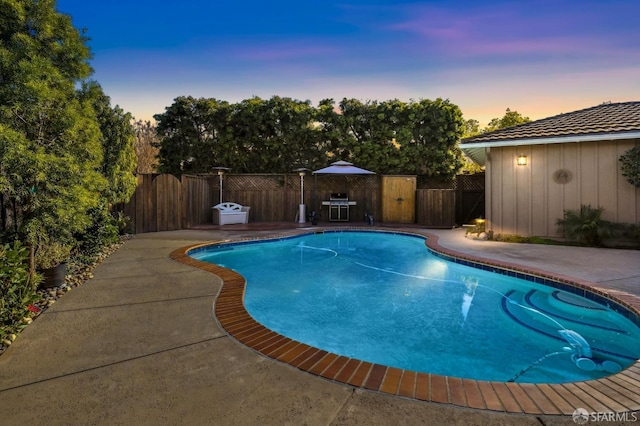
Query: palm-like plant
[586, 225]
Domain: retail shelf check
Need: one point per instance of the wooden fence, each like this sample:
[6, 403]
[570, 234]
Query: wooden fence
[164, 203]
[156, 204]
[470, 201]
[436, 208]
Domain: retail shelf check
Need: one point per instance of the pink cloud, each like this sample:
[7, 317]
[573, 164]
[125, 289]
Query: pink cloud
[489, 32]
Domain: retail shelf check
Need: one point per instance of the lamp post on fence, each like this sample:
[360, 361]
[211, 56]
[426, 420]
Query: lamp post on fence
[302, 214]
[221, 171]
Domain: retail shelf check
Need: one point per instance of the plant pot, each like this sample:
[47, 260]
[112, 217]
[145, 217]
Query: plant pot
[54, 277]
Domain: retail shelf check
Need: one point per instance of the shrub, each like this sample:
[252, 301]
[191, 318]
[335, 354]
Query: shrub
[17, 288]
[630, 167]
[586, 226]
[632, 231]
[50, 255]
[122, 222]
[102, 232]
[629, 234]
[511, 238]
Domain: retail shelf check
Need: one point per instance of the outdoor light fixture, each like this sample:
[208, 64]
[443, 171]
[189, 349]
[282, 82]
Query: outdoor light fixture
[522, 160]
[221, 171]
[302, 213]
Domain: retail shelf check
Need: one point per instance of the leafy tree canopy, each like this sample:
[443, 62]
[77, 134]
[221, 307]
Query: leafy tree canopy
[510, 118]
[280, 134]
[117, 140]
[57, 158]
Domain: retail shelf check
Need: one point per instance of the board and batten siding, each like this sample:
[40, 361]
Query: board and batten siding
[526, 200]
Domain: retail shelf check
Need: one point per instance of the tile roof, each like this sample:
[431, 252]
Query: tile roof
[608, 118]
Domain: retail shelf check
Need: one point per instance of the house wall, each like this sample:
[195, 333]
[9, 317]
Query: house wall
[526, 200]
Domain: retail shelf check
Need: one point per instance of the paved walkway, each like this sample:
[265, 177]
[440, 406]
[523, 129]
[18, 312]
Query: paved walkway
[139, 344]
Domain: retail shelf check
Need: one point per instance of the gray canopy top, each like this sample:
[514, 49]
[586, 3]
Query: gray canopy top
[342, 168]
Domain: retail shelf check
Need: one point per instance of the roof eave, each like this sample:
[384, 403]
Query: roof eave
[555, 139]
[476, 150]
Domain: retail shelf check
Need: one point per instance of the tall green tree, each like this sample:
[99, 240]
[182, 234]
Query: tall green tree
[419, 137]
[371, 130]
[272, 136]
[436, 128]
[510, 118]
[50, 141]
[117, 140]
[471, 128]
[252, 136]
[332, 131]
[276, 135]
[192, 135]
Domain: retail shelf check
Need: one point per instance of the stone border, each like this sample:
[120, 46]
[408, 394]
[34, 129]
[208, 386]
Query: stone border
[618, 393]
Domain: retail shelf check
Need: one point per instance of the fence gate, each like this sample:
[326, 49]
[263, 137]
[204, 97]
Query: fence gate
[156, 204]
[399, 199]
[167, 192]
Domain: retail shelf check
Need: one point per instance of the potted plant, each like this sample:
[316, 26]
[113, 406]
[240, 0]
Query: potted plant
[51, 259]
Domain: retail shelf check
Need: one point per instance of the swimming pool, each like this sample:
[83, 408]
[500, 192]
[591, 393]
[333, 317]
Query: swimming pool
[394, 303]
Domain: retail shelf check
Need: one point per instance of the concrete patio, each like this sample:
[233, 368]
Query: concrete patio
[139, 344]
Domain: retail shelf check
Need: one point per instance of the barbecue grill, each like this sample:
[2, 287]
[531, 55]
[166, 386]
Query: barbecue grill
[339, 207]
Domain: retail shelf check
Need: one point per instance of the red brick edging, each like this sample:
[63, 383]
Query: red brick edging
[617, 393]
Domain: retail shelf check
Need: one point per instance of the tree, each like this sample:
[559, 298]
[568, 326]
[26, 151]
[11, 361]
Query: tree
[270, 136]
[630, 165]
[146, 146]
[510, 118]
[117, 140]
[255, 135]
[294, 138]
[279, 134]
[42, 121]
[332, 130]
[192, 135]
[471, 128]
[436, 128]
[394, 136]
[369, 130]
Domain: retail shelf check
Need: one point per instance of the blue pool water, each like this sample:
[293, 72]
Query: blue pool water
[384, 298]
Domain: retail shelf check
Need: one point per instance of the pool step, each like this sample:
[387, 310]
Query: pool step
[535, 311]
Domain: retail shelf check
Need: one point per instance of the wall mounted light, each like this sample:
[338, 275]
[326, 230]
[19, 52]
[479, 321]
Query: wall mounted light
[522, 160]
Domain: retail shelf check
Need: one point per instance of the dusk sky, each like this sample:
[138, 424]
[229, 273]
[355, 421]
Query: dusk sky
[540, 58]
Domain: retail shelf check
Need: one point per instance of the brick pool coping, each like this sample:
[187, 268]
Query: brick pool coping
[618, 393]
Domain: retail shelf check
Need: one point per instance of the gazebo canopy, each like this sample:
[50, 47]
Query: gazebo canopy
[342, 168]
